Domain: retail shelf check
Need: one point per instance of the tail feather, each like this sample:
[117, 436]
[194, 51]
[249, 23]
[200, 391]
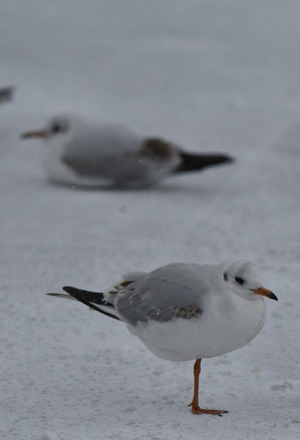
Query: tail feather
[90, 299]
[195, 162]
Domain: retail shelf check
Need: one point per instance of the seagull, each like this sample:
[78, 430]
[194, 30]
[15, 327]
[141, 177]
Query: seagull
[82, 154]
[185, 312]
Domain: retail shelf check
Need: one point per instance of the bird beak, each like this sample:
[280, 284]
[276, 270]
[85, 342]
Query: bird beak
[33, 134]
[265, 292]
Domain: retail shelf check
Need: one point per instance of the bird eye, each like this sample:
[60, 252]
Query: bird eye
[55, 128]
[225, 276]
[239, 280]
[58, 127]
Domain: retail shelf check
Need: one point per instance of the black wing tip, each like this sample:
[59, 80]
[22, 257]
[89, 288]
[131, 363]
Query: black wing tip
[217, 158]
[67, 289]
[196, 162]
[228, 158]
[79, 293]
[71, 289]
[87, 298]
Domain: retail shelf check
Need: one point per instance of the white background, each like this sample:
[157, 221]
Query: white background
[210, 76]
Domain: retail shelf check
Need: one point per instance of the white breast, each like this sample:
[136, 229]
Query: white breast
[58, 171]
[224, 326]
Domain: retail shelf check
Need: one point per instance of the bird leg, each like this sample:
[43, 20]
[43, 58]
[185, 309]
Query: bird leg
[195, 406]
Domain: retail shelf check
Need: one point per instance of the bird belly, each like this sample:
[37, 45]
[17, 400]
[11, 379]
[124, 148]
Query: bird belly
[58, 171]
[211, 334]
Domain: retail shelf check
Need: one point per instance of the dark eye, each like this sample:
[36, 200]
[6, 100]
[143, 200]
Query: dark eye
[58, 127]
[225, 276]
[239, 280]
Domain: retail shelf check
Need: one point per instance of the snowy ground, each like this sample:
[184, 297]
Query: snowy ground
[210, 75]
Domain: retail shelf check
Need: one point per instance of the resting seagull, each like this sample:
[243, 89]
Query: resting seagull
[82, 154]
[183, 311]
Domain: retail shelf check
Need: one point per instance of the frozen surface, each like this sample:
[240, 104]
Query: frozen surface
[212, 76]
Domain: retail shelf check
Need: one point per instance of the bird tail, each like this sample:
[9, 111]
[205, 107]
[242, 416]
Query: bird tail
[94, 300]
[194, 162]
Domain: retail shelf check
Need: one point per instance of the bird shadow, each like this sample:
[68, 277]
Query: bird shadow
[163, 188]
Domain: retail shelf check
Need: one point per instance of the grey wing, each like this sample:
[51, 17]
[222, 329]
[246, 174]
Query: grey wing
[107, 152]
[172, 291]
[134, 276]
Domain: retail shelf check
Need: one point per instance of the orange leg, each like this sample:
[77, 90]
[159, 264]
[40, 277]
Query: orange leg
[194, 404]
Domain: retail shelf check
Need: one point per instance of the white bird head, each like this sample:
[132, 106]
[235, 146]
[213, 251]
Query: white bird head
[243, 278]
[57, 129]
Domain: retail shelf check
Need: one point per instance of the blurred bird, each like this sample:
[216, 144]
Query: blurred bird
[81, 154]
[6, 93]
[186, 311]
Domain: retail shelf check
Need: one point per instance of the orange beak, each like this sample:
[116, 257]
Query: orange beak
[34, 133]
[265, 292]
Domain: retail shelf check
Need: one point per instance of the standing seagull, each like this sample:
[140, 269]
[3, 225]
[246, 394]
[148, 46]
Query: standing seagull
[186, 311]
[79, 153]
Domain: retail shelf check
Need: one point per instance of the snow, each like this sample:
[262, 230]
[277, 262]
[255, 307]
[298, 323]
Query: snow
[211, 76]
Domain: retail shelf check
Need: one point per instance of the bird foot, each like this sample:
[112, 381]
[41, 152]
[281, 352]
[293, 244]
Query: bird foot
[214, 412]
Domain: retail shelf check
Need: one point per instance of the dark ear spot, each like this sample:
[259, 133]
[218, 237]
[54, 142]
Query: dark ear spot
[225, 276]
